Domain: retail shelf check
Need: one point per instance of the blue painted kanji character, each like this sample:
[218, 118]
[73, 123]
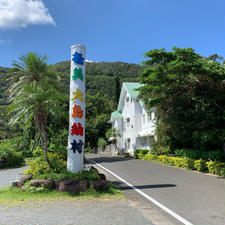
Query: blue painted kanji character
[77, 146]
[77, 58]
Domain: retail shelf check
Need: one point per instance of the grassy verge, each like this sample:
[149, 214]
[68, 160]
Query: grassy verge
[12, 196]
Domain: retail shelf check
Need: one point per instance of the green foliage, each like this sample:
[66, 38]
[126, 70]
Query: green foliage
[197, 154]
[9, 154]
[150, 157]
[140, 153]
[58, 143]
[187, 91]
[215, 167]
[200, 165]
[102, 143]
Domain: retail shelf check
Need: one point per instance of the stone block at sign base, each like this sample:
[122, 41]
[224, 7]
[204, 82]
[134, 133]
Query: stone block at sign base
[72, 185]
[42, 183]
[24, 179]
[100, 185]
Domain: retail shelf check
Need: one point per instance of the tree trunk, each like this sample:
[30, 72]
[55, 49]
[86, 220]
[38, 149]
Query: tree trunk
[35, 139]
[40, 124]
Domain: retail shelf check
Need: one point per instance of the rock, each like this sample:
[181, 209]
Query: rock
[49, 184]
[72, 185]
[102, 176]
[24, 179]
[84, 185]
[24, 188]
[15, 183]
[42, 183]
[100, 185]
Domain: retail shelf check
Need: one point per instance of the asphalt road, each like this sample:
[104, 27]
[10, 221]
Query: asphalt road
[199, 198]
[8, 175]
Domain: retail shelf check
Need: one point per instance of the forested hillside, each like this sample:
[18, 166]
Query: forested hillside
[100, 77]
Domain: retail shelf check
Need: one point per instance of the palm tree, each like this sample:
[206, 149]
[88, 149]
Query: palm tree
[36, 104]
[30, 69]
[34, 94]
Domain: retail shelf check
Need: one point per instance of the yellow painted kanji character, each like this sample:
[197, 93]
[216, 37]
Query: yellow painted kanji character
[77, 112]
[77, 94]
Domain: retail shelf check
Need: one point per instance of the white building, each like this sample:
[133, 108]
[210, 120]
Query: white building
[135, 123]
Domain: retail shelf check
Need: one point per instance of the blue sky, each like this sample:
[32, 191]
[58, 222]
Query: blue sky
[112, 30]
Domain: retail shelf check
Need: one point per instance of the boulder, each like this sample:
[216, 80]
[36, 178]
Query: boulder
[24, 179]
[14, 183]
[100, 185]
[84, 185]
[72, 185]
[42, 183]
[24, 188]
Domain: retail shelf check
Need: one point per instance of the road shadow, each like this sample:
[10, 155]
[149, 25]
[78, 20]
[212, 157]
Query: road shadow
[124, 187]
[109, 159]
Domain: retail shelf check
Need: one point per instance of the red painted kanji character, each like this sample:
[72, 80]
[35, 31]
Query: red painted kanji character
[77, 112]
[77, 129]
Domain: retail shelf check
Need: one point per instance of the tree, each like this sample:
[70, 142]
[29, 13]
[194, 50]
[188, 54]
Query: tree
[36, 104]
[117, 90]
[114, 134]
[98, 111]
[34, 95]
[187, 91]
[30, 69]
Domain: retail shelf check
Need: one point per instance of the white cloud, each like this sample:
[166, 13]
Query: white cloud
[21, 13]
[90, 61]
[3, 42]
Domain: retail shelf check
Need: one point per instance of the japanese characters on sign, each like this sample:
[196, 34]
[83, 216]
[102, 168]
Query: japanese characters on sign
[77, 109]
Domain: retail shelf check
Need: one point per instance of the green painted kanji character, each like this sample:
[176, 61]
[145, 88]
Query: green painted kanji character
[77, 73]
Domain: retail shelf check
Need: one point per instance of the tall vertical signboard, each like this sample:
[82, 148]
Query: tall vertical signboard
[76, 137]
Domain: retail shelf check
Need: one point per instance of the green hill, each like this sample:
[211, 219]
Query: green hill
[100, 77]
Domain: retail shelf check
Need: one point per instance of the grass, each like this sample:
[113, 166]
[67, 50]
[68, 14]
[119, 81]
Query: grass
[12, 196]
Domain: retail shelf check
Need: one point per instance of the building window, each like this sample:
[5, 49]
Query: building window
[128, 122]
[127, 99]
[143, 118]
[149, 116]
[128, 143]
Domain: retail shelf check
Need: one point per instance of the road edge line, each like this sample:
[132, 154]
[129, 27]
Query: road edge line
[169, 211]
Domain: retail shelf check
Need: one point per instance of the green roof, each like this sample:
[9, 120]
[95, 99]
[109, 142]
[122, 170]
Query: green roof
[116, 114]
[130, 88]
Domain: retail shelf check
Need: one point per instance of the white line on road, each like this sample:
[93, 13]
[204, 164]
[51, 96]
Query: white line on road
[172, 213]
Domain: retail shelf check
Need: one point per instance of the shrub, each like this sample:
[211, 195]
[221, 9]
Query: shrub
[188, 163]
[162, 158]
[127, 154]
[170, 160]
[215, 167]
[38, 164]
[102, 143]
[150, 157]
[140, 151]
[200, 165]
[9, 157]
[58, 143]
[216, 155]
[188, 153]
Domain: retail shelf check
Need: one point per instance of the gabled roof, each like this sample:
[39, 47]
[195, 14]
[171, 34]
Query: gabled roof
[130, 87]
[116, 114]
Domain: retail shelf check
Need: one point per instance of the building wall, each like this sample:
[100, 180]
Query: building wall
[134, 122]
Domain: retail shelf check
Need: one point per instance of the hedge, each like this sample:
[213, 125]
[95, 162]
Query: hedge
[140, 153]
[213, 167]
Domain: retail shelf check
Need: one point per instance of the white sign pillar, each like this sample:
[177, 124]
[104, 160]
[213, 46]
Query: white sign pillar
[76, 137]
